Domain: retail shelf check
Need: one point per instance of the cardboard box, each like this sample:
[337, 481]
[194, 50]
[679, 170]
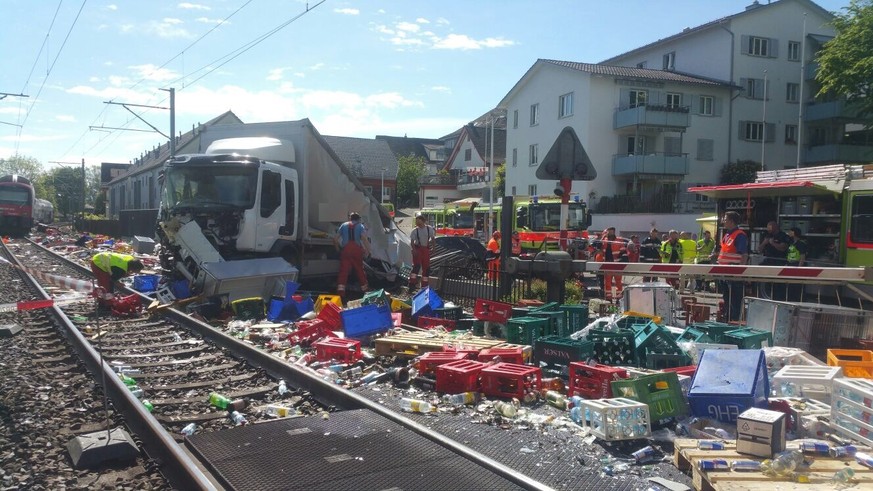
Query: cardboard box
[761, 432]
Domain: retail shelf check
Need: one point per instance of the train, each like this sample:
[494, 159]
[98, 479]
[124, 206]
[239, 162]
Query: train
[20, 209]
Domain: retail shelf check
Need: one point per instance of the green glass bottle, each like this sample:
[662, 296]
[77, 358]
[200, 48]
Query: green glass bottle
[148, 405]
[128, 381]
[218, 400]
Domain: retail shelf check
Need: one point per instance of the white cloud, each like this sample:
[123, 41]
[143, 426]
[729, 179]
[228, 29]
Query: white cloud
[443, 21]
[65, 118]
[207, 20]
[347, 11]
[193, 6]
[276, 74]
[153, 73]
[317, 66]
[9, 110]
[299, 74]
[172, 21]
[408, 26]
[422, 20]
[382, 29]
[380, 11]
[167, 28]
[441, 88]
[401, 40]
[26, 137]
[93, 79]
[112, 7]
[464, 42]
[390, 100]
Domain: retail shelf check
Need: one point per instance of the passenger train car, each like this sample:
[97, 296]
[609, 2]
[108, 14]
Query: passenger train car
[16, 205]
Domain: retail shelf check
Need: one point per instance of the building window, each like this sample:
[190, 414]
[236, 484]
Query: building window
[641, 64]
[791, 134]
[534, 114]
[706, 105]
[792, 92]
[670, 61]
[468, 155]
[534, 154]
[754, 87]
[515, 118]
[532, 189]
[637, 98]
[705, 149]
[513, 191]
[565, 105]
[636, 145]
[753, 131]
[515, 157]
[758, 46]
[674, 100]
[793, 51]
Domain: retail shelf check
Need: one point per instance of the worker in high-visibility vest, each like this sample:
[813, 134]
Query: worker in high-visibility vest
[492, 255]
[689, 256]
[733, 249]
[109, 267]
[705, 246]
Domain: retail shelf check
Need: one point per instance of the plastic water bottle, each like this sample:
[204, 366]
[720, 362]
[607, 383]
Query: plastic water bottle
[136, 391]
[710, 445]
[372, 377]
[576, 414]
[843, 475]
[238, 419]
[461, 399]
[416, 406]
[189, 429]
[506, 409]
[844, 451]
[218, 400]
[574, 401]
[282, 388]
[616, 468]
[176, 337]
[783, 464]
[745, 466]
[719, 432]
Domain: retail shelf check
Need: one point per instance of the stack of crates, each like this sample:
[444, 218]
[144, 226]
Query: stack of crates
[694, 335]
[560, 351]
[613, 347]
[526, 330]
[557, 321]
[851, 411]
[616, 419]
[660, 391]
[656, 348]
[576, 317]
[715, 330]
[748, 338]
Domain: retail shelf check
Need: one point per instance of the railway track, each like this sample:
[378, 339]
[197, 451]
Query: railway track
[187, 372]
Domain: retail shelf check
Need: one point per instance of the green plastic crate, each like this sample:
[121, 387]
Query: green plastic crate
[249, 308]
[660, 391]
[376, 297]
[524, 330]
[557, 350]
[656, 338]
[694, 335]
[548, 306]
[520, 311]
[748, 338]
[449, 313]
[658, 360]
[557, 321]
[628, 321]
[614, 347]
[715, 330]
[577, 317]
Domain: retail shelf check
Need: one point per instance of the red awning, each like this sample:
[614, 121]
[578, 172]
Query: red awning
[769, 189]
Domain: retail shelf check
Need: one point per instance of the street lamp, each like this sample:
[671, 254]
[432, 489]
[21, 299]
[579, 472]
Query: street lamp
[494, 115]
[382, 187]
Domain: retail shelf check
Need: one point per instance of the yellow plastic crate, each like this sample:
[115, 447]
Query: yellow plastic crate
[399, 305]
[322, 300]
[856, 363]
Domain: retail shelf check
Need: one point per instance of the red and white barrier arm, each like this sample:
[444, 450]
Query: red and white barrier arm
[804, 274]
[41, 304]
[60, 281]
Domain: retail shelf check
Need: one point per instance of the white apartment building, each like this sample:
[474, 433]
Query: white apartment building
[633, 122]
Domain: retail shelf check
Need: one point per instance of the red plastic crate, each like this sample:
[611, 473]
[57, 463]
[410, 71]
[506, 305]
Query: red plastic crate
[507, 355]
[428, 362]
[330, 314]
[470, 353]
[308, 331]
[431, 322]
[689, 370]
[530, 302]
[593, 381]
[510, 380]
[458, 376]
[489, 310]
[341, 350]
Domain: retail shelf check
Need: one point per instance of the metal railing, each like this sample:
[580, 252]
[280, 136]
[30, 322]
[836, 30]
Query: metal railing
[462, 285]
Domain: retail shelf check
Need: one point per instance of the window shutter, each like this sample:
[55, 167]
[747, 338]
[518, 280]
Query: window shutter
[769, 131]
[704, 149]
[744, 44]
[716, 106]
[741, 130]
[672, 145]
[744, 83]
[759, 88]
[694, 104]
[774, 48]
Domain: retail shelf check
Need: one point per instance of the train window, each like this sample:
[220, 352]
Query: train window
[862, 219]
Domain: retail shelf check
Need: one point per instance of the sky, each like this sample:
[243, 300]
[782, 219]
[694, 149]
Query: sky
[355, 68]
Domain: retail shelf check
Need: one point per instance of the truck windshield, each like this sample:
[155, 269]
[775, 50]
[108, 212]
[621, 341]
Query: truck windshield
[14, 196]
[211, 185]
[547, 216]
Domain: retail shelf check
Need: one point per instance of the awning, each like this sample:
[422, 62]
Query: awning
[708, 218]
[770, 189]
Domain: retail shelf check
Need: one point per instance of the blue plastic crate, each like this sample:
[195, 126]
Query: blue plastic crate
[727, 382]
[425, 301]
[181, 289]
[366, 320]
[146, 283]
[280, 310]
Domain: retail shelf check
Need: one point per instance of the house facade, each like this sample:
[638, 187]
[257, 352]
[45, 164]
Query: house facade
[371, 161]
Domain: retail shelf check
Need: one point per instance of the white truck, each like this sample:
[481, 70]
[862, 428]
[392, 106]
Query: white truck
[260, 198]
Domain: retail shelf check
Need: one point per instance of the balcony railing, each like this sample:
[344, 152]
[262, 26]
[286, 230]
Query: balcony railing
[661, 203]
[658, 163]
[652, 115]
[447, 179]
[834, 109]
[835, 152]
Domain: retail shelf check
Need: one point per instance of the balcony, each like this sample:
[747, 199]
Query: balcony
[832, 110]
[811, 69]
[653, 115]
[656, 164]
[446, 179]
[838, 153]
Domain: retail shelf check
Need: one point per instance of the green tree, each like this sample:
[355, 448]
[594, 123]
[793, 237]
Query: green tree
[410, 170]
[92, 186]
[739, 172]
[22, 165]
[67, 184]
[846, 61]
[500, 181]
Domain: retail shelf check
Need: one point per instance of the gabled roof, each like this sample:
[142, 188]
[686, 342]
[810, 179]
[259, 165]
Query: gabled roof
[156, 157]
[365, 157]
[403, 146]
[477, 137]
[689, 31]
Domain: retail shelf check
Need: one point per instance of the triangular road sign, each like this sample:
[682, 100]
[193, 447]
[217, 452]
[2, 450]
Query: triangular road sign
[567, 160]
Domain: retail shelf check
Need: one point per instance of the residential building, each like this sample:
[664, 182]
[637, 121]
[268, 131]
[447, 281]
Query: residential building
[669, 115]
[371, 161]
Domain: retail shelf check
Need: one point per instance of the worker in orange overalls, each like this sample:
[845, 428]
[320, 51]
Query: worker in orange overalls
[516, 244]
[422, 239]
[614, 250]
[492, 255]
[351, 240]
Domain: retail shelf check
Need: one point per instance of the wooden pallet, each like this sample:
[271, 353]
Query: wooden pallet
[820, 472]
[414, 344]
